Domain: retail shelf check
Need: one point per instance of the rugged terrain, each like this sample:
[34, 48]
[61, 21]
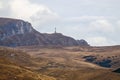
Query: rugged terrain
[108, 56]
[59, 63]
[31, 55]
[76, 63]
[15, 32]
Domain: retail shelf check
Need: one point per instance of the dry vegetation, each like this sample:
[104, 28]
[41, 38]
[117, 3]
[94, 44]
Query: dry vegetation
[76, 63]
[13, 66]
[59, 63]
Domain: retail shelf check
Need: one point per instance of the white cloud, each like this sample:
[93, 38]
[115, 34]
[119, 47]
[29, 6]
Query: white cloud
[88, 24]
[22, 9]
[102, 26]
[39, 15]
[1, 5]
[26, 10]
[118, 23]
[44, 17]
[91, 17]
[100, 41]
[84, 18]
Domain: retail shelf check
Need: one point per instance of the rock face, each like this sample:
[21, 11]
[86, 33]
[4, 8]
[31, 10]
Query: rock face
[15, 32]
[82, 42]
[59, 39]
[10, 27]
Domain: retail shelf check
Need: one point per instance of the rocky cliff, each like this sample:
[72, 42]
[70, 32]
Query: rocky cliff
[14, 32]
[10, 27]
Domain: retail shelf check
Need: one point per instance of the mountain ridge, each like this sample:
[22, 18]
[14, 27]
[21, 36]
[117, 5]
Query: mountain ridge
[15, 32]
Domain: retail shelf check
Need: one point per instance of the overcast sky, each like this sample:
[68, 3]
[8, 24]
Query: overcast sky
[97, 21]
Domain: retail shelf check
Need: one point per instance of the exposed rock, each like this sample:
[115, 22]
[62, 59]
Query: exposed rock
[14, 32]
[117, 70]
[59, 39]
[103, 63]
[11, 27]
[82, 42]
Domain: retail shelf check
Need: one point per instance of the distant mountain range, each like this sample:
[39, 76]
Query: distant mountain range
[15, 32]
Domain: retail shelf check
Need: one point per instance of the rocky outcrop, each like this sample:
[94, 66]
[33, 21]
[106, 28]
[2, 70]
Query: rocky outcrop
[117, 70]
[11, 27]
[15, 32]
[82, 42]
[59, 39]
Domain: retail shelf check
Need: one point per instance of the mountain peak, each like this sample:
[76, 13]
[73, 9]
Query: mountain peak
[15, 32]
[10, 27]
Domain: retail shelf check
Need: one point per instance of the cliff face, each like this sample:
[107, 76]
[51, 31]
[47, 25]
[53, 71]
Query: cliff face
[82, 42]
[11, 27]
[15, 32]
[12, 32]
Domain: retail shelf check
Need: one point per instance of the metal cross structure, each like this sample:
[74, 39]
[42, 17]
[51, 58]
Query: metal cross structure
[55, 29]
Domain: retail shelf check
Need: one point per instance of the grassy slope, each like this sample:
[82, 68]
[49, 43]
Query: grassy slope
[68, 63]
[60, 63]
[83, 74]
[12, 67]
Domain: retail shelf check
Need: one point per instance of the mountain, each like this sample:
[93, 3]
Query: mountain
[15, 32]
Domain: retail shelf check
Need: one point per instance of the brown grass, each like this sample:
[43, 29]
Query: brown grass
[67, 63]
[14, 68]
[64, 63]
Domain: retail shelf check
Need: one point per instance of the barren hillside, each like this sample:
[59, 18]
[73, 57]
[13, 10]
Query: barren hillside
[76, 63]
